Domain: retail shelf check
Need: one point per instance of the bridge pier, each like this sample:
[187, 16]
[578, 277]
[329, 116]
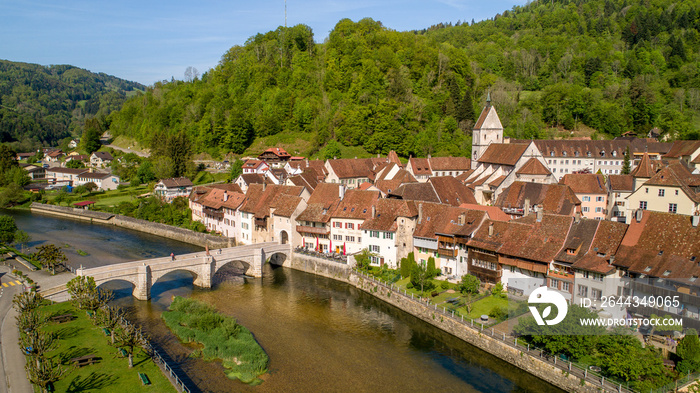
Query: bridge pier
[206, 273]
[142, 289]
[258, 261]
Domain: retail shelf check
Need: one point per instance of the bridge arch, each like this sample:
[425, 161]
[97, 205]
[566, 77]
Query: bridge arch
[156, 275]
[277, 258]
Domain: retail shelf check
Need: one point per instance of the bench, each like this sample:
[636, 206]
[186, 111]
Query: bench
[144, 379]
[84, 360]
[62, 318]
[106, 331]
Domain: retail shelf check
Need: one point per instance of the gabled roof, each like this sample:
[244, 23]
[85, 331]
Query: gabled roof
[69, 171]
[451, 191]
[278, 151]
[525, 238]
[533, 166]
[356, 204]
[585, 183]
[603, 248]
[420, 166]
[286, 204]
[95, 175]
[553, 198]
[321, 203]
[682, 148]
[387, 181]
[393, 157]
[253, 164]
[103, 155]
[318, 166]
[305, 179]
[621, 183]
[494, 212]
[599, 149]
[176, 182]
[677, 175]
[503, 153]
[416, 192]
[449, 163]
[437, 219]
[349, 168]
[386, 213]
[55, 153]
[661, 243]
[644, 169]
[253, 178]
[488, 119]
[259, 199]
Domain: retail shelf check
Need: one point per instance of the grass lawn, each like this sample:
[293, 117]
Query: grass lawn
[80, 337]
[485, 305]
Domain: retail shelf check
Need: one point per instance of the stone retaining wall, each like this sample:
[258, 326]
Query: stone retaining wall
[516, 357]
[154, 228]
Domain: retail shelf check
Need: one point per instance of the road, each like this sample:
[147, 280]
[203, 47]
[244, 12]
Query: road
[11, 358]
[137, 152]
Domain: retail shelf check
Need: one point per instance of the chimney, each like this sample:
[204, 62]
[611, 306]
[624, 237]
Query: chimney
[539, 215]
[307, 162]
[429, 156]
[225, 196]
[420, 213]
[638, 215]
[264, 185]
[374, 211]
[577, 216]
[461, 218]
[695, 220]
[341, 191]
[490, 229]
[377, 155]
[526, 207]
[612, 259]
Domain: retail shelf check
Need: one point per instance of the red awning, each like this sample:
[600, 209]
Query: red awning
[84, 203]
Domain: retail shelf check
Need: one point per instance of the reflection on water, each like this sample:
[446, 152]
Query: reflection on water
[321, 335]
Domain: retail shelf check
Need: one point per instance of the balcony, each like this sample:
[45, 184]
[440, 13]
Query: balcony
[561, 275]
[217, 214]
[448, 252]
[313, 230]
[261, 222]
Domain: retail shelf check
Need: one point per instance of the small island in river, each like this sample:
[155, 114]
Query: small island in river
[221, 337]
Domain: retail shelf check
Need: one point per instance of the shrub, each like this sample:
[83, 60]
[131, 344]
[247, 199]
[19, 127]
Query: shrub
[499, 313]
[409, 286]
[444, 285]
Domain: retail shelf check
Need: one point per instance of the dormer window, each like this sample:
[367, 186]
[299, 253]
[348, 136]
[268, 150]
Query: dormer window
[693, 258]
[588, 154]
[614, 153]
[600, 254]
[576, 154]
[602, 153]
[563, 153]
[693, 279]
[666, 273]
[570, 251]
[364, 210]
[647, 269]
[551, 153]
[661, 252]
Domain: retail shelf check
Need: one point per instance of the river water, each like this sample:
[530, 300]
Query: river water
[321, 335]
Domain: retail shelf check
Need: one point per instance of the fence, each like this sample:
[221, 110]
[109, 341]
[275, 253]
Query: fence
[596, 379]
[158, 358]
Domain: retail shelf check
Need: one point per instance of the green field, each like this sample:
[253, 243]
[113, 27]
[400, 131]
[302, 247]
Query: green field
[111, 374]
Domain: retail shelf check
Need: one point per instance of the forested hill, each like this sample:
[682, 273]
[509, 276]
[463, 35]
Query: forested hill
[40, 105]
[607, 65]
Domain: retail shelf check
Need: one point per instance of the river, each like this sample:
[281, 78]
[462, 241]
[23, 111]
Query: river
[321, 335]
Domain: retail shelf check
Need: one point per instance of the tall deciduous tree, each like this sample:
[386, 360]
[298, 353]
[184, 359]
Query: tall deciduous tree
[110, 317]
[50, 256]
[27, 301]
[129, 337]
[8, 228]
[91, 136]
[44, 372]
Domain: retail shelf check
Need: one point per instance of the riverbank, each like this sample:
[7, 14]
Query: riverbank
[506, 348]
[118, 220]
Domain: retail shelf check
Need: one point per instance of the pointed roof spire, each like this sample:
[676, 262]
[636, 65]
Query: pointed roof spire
[644, 169]
[488, 98]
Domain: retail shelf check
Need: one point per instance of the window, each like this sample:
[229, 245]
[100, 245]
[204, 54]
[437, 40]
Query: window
[565, 286]
[643, 205]
[646, 190]
[388, 235]
[599, 199]
[566, 162]
[598, 209]
[337, 225]
[349, 225]
[551, 153]
[350, 239]
[374, 248]
[661, 192]
[553, 283]
[672, 207]
[564, 154]
[585, 209]
[582, 291]
[374, 234]
[596, 293]
[337, 237]
[586, 199]
[676, 192]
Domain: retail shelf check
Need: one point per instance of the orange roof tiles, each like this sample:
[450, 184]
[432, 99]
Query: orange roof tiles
[585, 183]
[356, 204]
[503, 153]
[533, 166]
[621, 182]
[553, 198]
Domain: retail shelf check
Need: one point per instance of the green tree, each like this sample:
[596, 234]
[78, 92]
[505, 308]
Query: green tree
[30, 320]
[27, 301]
[44, 372]
[469, 284]
[91, 136]
[626, 162]
[80, 289]
[421, 276]
[110, 318]
[363, 259]
[50, 256]
[129, 337]
[236, 169]
[21, 239]
[689, 351]
[407, 264]
[145, 173]
[8, 228]
[74, 164]
[12, 195]
[8, 158]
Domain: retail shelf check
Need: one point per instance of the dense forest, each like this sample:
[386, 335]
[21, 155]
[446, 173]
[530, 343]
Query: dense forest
[41, 105]
[601, 67]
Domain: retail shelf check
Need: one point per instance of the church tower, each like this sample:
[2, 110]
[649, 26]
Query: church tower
[487, 130]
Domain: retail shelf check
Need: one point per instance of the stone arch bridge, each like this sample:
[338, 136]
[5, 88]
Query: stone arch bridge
[143, 274]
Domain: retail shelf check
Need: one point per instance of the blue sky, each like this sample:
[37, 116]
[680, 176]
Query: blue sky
[151, 40]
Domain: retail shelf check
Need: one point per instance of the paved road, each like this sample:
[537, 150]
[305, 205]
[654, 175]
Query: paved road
[137, 152]
[11, 358]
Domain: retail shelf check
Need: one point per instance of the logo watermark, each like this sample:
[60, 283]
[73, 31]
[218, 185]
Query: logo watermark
[544, 295]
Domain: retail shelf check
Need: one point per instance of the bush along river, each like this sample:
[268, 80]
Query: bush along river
[320, 334]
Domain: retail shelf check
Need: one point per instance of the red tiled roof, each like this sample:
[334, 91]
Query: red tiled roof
[533, 166]
[386, 213]
[503, 153]
[448, 220]
[494, 213]
[321, 203]
[349, 168]
[285, 204]
[176, 182]
[621, 182]
[644, 169]
[585, 183]
[682, 148]
[553, 198]
[449, 163]
[677, 175]
[420, 166]
[356, 204]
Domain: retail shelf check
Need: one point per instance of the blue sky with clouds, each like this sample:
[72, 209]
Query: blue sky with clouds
[151, 40]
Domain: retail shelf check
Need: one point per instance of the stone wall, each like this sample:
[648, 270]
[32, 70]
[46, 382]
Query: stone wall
[154, 228]
[480, 339]
[493, 345]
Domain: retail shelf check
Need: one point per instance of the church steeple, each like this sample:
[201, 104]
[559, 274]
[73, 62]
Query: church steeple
[488, 129]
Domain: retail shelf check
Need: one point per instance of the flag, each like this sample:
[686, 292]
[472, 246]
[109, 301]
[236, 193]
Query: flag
[330, 247]
[317, 244]
[343, 248]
